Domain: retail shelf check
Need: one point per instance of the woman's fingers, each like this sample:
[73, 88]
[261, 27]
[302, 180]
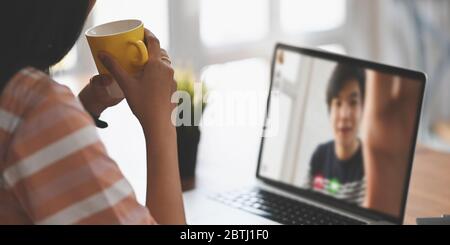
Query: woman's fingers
[153, 46]
[165, 57]
[118, 73]
[164, 53]
[101, 80]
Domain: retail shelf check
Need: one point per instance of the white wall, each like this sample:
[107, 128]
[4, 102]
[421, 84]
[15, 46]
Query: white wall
[303, 117]
[316, 127]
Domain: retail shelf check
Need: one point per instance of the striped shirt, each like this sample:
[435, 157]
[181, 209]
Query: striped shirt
[53, 167]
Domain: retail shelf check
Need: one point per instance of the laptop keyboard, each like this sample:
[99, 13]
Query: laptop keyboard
[282, 209]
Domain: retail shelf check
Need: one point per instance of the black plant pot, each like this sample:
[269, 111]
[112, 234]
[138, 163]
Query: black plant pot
[188, 138]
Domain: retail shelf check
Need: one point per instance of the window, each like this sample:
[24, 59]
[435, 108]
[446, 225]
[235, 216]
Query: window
[310, 16]
[199, 33]
[228, 22]
[235, 30]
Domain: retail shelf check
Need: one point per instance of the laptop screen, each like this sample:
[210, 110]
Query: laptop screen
[342, 129]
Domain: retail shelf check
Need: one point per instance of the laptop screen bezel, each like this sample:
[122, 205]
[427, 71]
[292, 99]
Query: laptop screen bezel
[327, 200]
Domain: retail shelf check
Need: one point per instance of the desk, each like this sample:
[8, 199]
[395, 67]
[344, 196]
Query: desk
[429, 192]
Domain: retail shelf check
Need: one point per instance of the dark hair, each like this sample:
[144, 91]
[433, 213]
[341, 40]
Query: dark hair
[343, 74]
[38, 33]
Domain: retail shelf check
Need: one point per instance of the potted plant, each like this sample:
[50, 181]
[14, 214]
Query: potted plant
[188, 119]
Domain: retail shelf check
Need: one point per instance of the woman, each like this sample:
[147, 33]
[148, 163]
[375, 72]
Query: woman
[337, 167]
[54, 169]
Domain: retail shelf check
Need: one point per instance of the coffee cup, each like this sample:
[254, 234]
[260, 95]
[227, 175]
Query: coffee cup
[124, 40]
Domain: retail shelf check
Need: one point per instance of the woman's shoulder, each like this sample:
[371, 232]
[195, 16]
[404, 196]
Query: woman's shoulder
[33, 81]
[32, 98]
[30, 88]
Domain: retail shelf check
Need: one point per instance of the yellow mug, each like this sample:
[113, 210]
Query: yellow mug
[124, 40]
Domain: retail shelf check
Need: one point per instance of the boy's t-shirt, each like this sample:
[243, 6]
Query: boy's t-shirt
[342, 179]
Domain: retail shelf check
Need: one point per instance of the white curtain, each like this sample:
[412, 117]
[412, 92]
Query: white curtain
[416, 34]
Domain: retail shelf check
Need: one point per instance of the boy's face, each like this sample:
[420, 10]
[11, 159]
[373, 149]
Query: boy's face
[345, 114]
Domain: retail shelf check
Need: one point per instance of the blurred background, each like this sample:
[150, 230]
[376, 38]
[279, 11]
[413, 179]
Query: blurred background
[228, 44]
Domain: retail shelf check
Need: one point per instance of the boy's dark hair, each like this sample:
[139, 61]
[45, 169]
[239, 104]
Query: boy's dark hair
[342, 74]
[38, 33]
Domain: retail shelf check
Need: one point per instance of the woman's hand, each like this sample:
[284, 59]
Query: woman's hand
[95, 97]
[149, 92]
[149, 96]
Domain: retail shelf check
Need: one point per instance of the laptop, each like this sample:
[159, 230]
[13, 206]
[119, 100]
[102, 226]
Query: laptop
[337, 148]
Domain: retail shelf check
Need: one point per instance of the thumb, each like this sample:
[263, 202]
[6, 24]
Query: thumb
[117, 72]
[101, 80]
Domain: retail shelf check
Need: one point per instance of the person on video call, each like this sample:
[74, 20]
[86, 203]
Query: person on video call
[390, 114]
[337, 167]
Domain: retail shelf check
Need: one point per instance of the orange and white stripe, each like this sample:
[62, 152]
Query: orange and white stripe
[54, 169]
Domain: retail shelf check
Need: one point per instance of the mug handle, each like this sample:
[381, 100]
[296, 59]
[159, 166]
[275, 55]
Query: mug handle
[140, 45]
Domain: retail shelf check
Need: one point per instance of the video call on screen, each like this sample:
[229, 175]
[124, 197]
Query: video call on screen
[331, 130]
